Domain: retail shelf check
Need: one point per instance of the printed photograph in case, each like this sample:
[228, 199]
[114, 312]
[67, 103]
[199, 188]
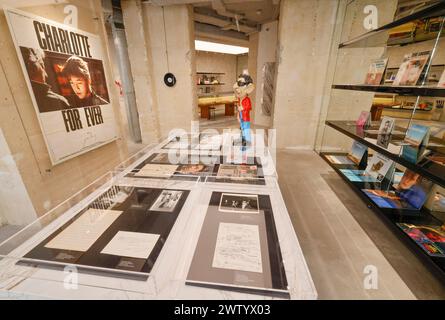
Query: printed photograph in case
[411, 68]
[166, 201]
[237, 171]
[194, 169]
[376, 71]
[430, 238]
[240, 203]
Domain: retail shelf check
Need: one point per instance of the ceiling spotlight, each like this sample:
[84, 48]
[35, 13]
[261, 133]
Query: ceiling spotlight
[259, 12]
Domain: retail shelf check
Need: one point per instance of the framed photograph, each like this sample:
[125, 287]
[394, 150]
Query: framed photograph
[241, 203]
[166, 201]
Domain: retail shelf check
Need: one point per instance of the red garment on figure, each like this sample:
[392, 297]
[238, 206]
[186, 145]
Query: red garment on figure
[247, 106]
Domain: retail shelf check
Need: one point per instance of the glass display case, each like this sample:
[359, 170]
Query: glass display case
[132, 233]
[384, 132]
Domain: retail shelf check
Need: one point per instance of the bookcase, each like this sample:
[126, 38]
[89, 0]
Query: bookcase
[384, 132]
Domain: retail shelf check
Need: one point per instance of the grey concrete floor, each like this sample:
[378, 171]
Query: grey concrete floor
[339, 236]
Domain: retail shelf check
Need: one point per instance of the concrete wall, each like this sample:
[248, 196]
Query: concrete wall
[49, 185]
[161, 108]
[302, 63]
[252, 68]
[176, 105]
[218, 62]
[267, 45]
[242, 62]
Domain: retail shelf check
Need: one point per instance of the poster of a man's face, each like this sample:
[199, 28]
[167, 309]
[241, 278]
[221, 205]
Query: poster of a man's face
[78, 75]
[62, 82]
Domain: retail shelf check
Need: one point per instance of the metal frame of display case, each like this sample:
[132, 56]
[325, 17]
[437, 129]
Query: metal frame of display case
[429, 170]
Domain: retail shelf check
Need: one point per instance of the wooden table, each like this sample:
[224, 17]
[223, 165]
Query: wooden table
[204, 103]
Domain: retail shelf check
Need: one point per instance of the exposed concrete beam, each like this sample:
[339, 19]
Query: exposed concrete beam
[222, 23]
[173, 2]
[203, 29]
[221, 9]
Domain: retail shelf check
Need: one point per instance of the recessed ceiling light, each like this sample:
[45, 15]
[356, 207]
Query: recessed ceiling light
[219, 47]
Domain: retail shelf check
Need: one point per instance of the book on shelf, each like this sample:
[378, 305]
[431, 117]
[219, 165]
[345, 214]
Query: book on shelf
[376, 71]
[411, 68]
[437, 159]
[411, 193]
[431, 238]
[441, 83]
[358, 150]
[438, 202]
[339, 159]
[364, 120]
[354, 157]
[358, 175]
[385, 131]
[415, 142]
[379, 166]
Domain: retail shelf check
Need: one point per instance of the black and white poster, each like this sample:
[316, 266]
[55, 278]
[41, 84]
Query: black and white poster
[64, 70]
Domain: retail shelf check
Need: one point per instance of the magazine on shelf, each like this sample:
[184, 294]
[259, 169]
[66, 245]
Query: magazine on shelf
[415, 142]
[411, 193]
[338, 159]
[411, 68]
[364, 120]
[385, 131]
[430, 238]
[376, 71]
[439, 202]
[441, 82]
[438, 159]
[379, 166]
[358, 175]
[357, 152]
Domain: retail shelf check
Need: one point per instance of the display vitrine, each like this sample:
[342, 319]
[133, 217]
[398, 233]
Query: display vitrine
[384, 132]
[130, 236]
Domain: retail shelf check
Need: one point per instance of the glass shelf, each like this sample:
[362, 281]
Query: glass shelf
[400, 90]
[379, 36]
[423, 217]
[429, 169]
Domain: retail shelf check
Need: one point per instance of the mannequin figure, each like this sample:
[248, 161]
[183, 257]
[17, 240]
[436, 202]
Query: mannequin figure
[243, 87]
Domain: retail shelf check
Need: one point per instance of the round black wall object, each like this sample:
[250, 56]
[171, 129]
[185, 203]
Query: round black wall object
[169, 79]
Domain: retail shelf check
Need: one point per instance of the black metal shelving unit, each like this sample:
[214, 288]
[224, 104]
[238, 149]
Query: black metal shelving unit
[432, 171]
[400, 90]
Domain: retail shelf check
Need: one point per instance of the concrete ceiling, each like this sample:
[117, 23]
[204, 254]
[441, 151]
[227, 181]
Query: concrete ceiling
[229, 18]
